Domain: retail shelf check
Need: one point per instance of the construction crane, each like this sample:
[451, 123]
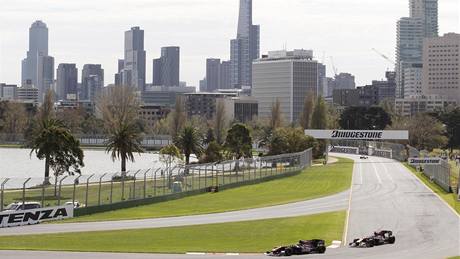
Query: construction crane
[384, 56]
[336, 72]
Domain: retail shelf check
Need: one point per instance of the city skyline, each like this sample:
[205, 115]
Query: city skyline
[214, 26]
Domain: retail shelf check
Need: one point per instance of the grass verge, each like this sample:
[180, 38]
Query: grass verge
[227, 237]
[450, 198]
[313, 183]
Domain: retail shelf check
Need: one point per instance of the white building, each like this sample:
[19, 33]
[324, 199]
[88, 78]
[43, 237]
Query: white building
[441, 66]
[286, 76]
[27, 94]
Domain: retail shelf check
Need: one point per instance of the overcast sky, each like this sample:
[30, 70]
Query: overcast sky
[91, 31]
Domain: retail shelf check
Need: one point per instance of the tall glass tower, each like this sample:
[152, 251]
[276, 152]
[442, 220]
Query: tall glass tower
[38, 66]
[245, 48]
[422, 23]
[133, 73]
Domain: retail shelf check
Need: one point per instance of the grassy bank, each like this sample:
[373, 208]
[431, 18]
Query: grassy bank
[313, 183]
[228, 237]
[450, 198]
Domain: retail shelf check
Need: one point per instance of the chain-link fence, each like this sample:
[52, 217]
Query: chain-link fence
[106, 189]
[440, 174]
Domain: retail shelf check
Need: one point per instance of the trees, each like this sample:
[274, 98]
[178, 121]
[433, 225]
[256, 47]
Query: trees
[239, 141]
[319, 117]
[53, 142]
[276, 119]
[178, 118]
[364, 118]
[306, 115]
[452, 121]
[170, 154]
[425, 131]
[14, 119]
[290, 140]
[189, 141]
[120, 111]
[213, 153]
[220, 122]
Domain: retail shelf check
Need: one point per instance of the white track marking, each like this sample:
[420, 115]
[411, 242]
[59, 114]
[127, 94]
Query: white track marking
[386, 171]
[376, 172]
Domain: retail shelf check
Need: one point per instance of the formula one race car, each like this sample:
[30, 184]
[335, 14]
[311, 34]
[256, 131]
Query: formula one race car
[379, 238]
[315, 246]
[363, 157]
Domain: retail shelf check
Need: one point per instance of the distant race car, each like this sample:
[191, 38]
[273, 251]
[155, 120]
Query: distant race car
[379, 238]
[363, 157]
[315, 246]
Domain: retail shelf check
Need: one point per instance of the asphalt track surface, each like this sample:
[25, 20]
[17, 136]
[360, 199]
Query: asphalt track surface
[385, 195]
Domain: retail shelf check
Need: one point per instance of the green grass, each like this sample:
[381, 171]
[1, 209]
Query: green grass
[227, 237]
[313, 183]
[456, 257]
[450, 198]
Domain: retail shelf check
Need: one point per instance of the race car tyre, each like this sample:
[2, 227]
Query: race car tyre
[288, 252]
[392, 240]
[369, 244]
[322, 250]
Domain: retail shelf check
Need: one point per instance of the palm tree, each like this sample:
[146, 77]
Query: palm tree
[120, 111]
[190, 142]
[123, 141]
[54, 143]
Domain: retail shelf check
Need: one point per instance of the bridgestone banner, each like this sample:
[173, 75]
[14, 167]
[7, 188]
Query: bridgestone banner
[425, 161]
[30, 217]
[359, 134]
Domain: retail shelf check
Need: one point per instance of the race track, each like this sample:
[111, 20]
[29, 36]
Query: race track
[327, 204]
[385, 195]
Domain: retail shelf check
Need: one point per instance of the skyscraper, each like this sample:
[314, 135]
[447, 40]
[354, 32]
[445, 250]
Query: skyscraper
[166, 69]
[134, 62]
[245, 48]
[285, 76]
[119, 75]
[427, 10]
[67, 82]
[212, 74]
[423, 22]
[441, 66]
[92, 81]
[225, 75]
[38, 67]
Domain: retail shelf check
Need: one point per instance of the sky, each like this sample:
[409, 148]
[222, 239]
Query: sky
[92, 31]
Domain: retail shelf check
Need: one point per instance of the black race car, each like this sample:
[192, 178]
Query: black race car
[315, 246]
[379, 238]
[363, 157]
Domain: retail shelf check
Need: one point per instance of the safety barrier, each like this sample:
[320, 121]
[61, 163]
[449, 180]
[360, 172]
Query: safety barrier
[95, 193]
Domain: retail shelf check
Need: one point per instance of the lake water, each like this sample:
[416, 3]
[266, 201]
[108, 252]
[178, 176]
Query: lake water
[17, 163]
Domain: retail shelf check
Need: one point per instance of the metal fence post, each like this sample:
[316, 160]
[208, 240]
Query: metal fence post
[199, 178]
[24, 192]
[111, 189]
[205, 176]
[134, 183]
[87, 189]
[2, 198]
[99, 191]
[223, 174]
[43, 194]
[74, 189]
[145, 182]
[60, 187]
[123, 175]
